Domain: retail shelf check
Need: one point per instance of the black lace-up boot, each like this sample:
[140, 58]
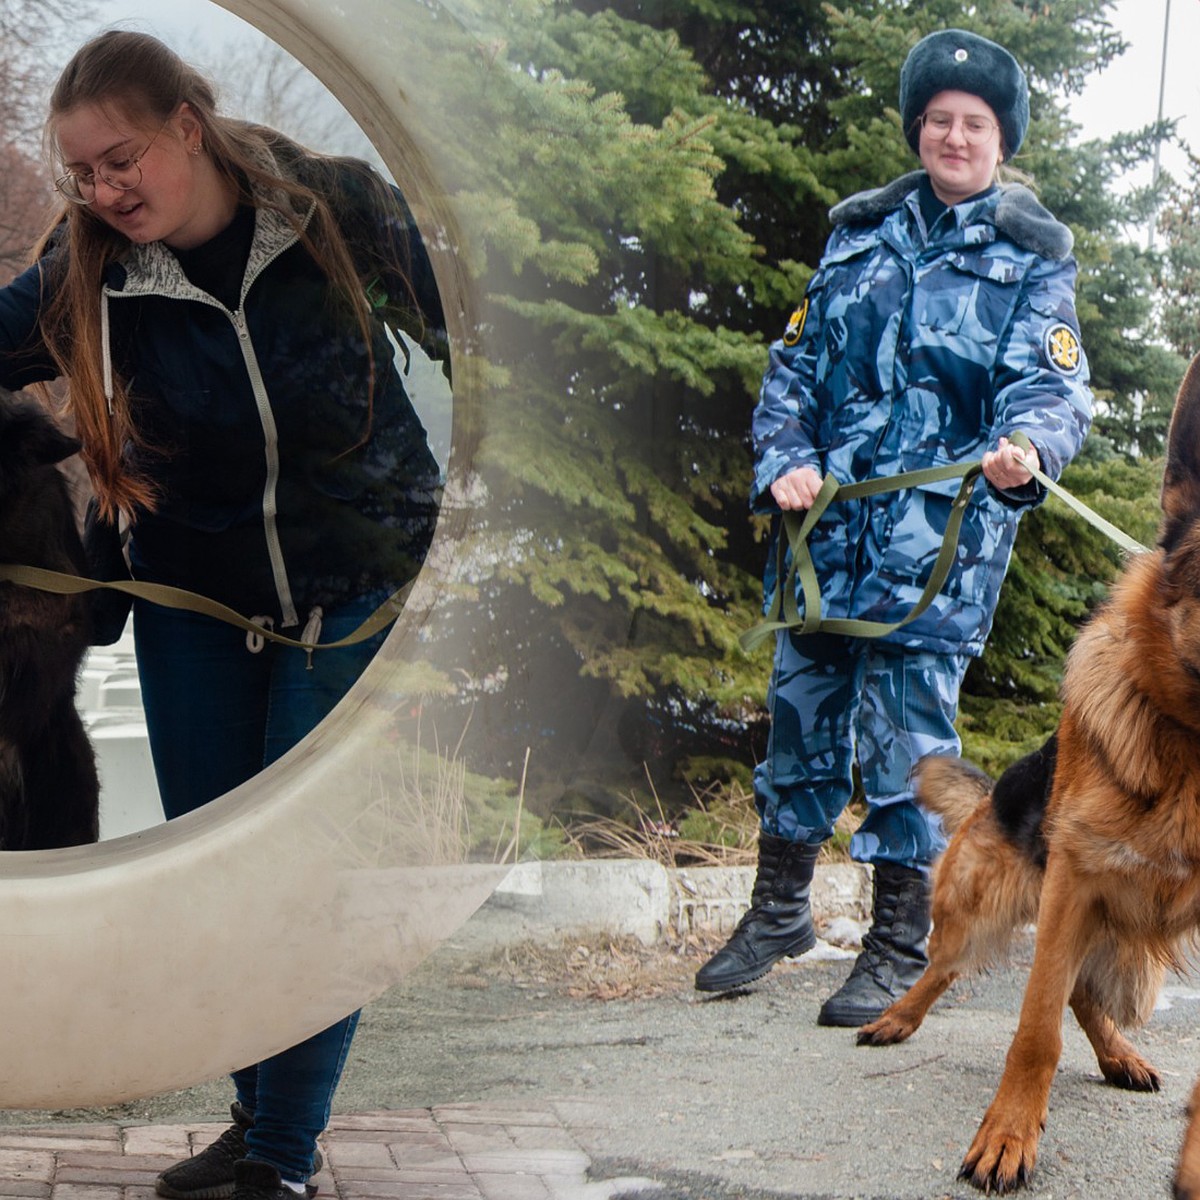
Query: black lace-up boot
[893, 953]
[778, 922]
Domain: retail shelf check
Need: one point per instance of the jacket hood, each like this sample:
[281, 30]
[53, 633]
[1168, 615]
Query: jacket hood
[149, 268]
[1019, 215]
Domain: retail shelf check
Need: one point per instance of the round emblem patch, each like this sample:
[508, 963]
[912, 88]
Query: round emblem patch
[960, 55]
[1063, 349]
[795, 325]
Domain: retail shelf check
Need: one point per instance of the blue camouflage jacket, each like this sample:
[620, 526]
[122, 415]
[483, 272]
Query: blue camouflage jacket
[915, 348]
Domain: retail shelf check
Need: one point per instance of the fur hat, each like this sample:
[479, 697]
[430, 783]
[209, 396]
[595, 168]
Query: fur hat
[955, 60]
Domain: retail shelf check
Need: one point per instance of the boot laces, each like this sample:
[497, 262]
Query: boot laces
[875, 943]
[753, 914]
[873, 956]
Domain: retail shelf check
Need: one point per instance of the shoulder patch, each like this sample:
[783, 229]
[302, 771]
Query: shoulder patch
[795, 325]
[1063, 349]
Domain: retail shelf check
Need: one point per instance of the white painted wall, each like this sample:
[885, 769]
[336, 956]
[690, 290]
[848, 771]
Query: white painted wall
[110, 701]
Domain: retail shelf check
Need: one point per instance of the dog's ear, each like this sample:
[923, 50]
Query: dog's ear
[1181, 479]
[1181, 566]
[51, 445]
[29, 437]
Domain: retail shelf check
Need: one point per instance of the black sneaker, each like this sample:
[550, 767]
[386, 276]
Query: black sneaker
[254, 1180]
[209, 1175]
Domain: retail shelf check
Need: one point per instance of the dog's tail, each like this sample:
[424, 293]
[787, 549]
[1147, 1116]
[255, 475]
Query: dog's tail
[952, 788]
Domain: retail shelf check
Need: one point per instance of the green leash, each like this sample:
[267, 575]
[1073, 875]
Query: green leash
[784, 612]
[172, 597]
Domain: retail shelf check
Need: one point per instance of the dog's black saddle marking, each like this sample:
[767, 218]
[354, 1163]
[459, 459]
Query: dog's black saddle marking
[1020, 797]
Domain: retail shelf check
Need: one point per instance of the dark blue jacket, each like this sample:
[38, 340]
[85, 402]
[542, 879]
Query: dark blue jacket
[253, 418]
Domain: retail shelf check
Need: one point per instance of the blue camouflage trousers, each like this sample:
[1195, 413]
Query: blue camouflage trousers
[832, 699]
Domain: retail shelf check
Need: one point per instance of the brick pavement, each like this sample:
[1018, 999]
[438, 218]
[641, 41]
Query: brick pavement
[452, 1152]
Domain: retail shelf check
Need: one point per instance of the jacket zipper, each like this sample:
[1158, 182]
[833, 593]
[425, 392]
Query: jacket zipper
[270, 508]
[266, 416]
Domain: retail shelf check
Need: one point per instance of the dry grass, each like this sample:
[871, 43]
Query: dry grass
[417, 815]
[600, 967]
[725, 813]
[596, 967]
[606, 837]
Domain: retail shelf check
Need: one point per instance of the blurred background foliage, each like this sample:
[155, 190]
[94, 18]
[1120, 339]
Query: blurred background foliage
[678, 159]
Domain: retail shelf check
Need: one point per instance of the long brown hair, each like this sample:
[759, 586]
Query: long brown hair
[144, 81]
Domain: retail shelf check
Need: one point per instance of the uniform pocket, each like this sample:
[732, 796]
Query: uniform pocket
[911, 537]
[967, 297]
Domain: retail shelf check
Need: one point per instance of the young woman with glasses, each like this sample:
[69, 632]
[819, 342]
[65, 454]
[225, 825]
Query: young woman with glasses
[220, 302]
[939, 323]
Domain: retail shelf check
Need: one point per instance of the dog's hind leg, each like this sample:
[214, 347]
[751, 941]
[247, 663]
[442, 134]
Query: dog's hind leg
[1120, 1063]
[1117, 988]
[983, 889]
[949, 950]
[14, 817]
[903, 1018]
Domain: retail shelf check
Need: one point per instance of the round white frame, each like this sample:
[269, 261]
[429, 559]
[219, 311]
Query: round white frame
[170, 956]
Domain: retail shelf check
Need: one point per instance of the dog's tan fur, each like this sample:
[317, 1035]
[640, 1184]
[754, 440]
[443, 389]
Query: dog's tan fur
[1120, 891]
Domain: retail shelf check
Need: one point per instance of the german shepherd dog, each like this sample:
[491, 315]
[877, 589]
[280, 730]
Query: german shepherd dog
[1096, 837]
[49, 792]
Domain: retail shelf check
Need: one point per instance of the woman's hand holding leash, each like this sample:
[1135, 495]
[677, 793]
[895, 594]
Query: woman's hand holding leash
[1007, 467]
[797, 489]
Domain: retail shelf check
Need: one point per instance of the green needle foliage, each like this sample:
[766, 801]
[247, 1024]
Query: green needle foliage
[644, 186]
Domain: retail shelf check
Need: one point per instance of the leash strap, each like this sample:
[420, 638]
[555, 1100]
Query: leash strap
[1122, 539]
[172, 597]
[783, 611]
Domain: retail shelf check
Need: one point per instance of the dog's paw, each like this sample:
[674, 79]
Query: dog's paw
[1186, 1185]
[1001, 1160]
[1131, 1072]
[995, 1180]
[887, 1030]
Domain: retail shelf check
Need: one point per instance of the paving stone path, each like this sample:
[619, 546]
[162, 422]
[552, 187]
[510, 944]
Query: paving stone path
[455, 1152]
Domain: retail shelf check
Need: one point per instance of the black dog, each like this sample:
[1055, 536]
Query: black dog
[49, 791]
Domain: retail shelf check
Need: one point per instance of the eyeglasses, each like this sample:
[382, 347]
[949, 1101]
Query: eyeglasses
[937, 126]
[124, 174]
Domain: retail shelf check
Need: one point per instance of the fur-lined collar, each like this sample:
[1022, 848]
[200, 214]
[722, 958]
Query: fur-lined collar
[1019, 215]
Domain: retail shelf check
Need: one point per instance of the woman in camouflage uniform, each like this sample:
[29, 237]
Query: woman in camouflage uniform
[940, 322]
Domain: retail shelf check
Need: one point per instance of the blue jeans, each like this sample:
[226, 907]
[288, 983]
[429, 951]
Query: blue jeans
[217, 714]
[835, 699]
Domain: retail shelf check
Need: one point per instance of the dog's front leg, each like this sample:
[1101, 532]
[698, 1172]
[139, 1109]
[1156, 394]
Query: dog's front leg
[1119, 1062]
[1004, 1151]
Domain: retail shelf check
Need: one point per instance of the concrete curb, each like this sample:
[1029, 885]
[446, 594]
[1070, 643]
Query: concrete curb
[539, 901]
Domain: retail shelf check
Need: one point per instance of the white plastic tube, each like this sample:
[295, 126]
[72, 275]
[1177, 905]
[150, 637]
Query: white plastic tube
[157, 960]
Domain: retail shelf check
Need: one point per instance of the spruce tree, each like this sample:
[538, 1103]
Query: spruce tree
[644, 189]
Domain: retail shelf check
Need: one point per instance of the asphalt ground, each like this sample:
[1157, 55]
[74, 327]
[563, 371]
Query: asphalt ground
[740, 1097]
